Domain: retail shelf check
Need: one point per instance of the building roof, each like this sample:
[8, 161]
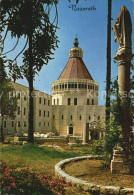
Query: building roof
[75, 68]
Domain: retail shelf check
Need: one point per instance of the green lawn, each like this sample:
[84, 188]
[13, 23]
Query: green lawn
[40, 159]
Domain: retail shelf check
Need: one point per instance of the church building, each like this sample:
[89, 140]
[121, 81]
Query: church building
[73, 103]
[75, 99]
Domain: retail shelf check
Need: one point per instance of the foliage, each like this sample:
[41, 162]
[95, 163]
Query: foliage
[8, 103]
[20, 17]
[114, 134]
[25, 181]
[31, 20]
[97, 148]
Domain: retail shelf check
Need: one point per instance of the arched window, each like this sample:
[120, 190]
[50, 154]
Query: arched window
[70, 129]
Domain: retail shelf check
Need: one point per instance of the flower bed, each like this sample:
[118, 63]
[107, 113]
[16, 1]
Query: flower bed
[24, 181]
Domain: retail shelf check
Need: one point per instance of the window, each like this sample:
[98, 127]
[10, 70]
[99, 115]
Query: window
[11, 93]
[48, 113]
[62, 117]
[44, 101]
[92, 101]
[39, 124]
[18, 110]
[39, 100]
[70, 129]
[80, 117]
[69, 101]
[12, 123]
[44, 113]
[98, 117]
[87, 101]
[25, 124]
[19, 124]
[5, 124]
[53, 116]
[75, 85]
[54, 101]
[79, 86]
[65, 85]
[18, 95]
[48, 124]
[39, 112]
[48, 102]
[57, 101]
[71, 117]
[75, 101]
[25, 98]
[44, 124]
[89, 117]
[72, 85]
[24, 111]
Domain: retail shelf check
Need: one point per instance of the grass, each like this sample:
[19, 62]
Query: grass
[40, 159]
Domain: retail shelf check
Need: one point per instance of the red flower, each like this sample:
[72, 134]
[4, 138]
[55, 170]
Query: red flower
[63, 180]
[12, 178]
[13, 185]
[6, 170]
[44, 176]
[58, 193]
[69, 184]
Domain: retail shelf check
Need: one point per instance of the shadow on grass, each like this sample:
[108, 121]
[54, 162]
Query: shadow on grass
[32, 151]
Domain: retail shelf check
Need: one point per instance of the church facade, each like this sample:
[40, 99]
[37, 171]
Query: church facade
[73, 103]
[75, 99]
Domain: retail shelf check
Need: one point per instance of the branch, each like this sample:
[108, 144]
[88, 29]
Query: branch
[13, 47]
[5, 36]
[21, 50]
[56, 16]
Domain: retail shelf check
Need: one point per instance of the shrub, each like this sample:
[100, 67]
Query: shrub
[24, 181]
[97, 148]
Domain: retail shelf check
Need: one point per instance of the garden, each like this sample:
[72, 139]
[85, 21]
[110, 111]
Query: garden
[29, 169]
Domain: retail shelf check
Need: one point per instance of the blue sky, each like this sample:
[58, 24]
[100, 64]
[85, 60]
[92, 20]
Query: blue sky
[91, 30]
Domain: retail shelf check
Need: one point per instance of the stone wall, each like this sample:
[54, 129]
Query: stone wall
[82, 187]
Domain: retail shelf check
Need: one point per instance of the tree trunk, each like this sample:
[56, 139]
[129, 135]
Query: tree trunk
[30, 80]
[1, 128]
[108, 76]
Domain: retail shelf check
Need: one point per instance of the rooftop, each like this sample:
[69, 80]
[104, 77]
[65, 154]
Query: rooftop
[75, 68]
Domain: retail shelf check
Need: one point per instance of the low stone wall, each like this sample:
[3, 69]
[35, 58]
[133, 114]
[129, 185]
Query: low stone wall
[83, 187]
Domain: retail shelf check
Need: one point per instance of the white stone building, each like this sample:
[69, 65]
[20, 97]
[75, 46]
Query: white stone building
[74, 101]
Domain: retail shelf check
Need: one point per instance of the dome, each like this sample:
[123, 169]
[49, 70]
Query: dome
[75, 68]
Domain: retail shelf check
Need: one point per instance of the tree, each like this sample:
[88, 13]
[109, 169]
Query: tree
[108, 76]
[8, 104]
[31, 18]
[114, 134]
